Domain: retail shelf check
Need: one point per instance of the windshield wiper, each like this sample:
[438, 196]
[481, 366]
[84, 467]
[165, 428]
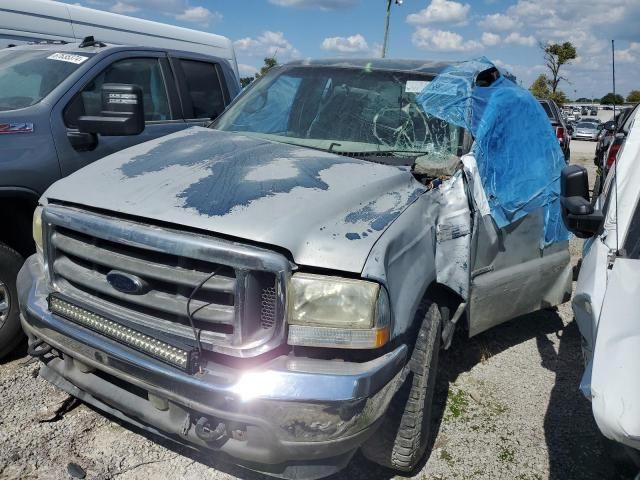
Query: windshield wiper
[381, 153]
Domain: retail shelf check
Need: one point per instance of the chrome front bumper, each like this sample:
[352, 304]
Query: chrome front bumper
[285, 411]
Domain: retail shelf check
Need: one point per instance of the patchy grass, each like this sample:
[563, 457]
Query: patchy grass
[506, 454]
[458, 403]
[526, 476]
[447, 457]
[498, 408]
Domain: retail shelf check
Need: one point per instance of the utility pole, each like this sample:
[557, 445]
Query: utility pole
[386, 26]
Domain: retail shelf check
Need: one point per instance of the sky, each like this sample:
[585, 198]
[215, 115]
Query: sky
[508, 32]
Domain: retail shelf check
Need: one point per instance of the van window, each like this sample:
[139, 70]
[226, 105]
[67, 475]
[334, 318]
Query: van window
[144, 72]
[27, 76]
[204, 88]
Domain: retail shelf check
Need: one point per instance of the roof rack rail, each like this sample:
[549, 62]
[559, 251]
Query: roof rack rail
[49, 42]
[91, 42]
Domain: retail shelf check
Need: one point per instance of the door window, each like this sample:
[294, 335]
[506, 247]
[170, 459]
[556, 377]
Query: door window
[632, 242]
[144, 72]
[203, 85]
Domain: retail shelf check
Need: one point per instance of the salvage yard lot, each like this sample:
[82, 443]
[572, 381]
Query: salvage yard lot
[509, 407]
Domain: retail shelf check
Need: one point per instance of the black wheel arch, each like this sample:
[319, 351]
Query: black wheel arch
[16, 213]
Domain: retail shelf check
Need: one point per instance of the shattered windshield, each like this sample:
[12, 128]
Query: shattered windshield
[27, 76]
[342, 110]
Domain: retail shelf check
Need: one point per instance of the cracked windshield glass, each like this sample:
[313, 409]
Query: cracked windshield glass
[359, 112]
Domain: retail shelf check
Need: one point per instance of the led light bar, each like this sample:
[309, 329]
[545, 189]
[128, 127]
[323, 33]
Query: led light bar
[177, 357]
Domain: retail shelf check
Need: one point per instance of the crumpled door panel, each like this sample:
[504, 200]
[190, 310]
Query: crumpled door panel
[615, 381]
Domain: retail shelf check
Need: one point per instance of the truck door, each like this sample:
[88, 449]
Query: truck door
[512, 274]
[203, 91]
[150, 71]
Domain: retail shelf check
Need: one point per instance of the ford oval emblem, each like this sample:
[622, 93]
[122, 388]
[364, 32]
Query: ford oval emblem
[126, 283]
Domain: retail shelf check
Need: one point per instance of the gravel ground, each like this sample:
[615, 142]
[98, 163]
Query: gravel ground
[508, 407]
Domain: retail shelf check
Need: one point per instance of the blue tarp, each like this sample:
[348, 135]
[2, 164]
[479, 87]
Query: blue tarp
[517, 152]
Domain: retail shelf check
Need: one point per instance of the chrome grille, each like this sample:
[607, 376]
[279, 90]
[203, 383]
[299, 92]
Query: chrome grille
[239, 311]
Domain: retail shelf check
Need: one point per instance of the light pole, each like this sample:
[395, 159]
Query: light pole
[386, 25]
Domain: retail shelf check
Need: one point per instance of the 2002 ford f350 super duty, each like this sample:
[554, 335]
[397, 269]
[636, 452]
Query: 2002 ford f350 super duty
[277, 287]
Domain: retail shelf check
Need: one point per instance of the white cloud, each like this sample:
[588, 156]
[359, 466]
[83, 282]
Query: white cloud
[321, 4]
[517, 39]
[439, 11]
[499, 22]
[629, 55]
[181, 10]
[490, 39]
[246, 70]
[352, 44]
[269, 44]
[442, 41]
[124, 8]
[200, 15]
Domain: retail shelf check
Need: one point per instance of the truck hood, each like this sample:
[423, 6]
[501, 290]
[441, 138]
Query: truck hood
[326, 210]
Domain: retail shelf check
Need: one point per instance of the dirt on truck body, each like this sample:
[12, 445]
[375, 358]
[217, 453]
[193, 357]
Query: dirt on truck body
[277, 287]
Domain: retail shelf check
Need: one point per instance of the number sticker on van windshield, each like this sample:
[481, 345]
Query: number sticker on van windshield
[415, 86]
[68, 57]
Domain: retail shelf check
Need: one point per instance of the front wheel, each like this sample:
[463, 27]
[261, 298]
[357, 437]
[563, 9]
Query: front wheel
[404, 435]
[10, 330]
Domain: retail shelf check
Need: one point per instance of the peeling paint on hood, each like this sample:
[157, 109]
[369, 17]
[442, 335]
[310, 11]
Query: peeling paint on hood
[327, 210]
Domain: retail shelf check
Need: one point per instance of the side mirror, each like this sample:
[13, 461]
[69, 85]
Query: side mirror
[610, 126]
[578, 214]
[122, 112]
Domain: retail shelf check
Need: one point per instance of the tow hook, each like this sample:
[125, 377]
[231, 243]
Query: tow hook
[205, 431]
[34, 349]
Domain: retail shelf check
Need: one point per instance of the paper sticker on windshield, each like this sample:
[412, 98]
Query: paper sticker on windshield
[415, 86]
[68, 57]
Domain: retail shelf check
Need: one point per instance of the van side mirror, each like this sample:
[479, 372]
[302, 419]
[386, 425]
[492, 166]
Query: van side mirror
[610, 126]
[578, 214]
[122, 112]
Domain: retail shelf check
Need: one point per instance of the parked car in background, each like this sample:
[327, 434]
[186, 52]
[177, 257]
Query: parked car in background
[584, 111]
[49, 96]
[607, 296]
[618, 140]
[597, 121]
[33, 21]
[277, 287]
[557, 122]
[607, 134]
[593, 112]
[586, 131]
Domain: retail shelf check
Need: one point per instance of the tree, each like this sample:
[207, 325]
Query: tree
[634, 96]
[585, 100]
[609, 99]
[269, 63]
[559, 97]
[244, 81]
[540, 87]
[555, 56]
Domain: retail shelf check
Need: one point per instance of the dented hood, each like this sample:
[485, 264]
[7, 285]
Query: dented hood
[327, 210]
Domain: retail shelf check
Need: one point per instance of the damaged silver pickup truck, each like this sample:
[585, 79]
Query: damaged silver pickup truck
[276, 287]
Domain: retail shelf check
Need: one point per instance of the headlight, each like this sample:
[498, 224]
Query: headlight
[337, 312]
[37, 228]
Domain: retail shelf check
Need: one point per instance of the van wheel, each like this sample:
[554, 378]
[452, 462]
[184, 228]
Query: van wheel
[403, 437]
[10, 331]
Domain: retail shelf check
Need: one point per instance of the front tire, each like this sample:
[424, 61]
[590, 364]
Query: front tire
[10, 331]
[405, 433]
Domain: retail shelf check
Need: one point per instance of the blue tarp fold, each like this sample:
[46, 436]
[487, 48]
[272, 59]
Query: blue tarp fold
[517, 152]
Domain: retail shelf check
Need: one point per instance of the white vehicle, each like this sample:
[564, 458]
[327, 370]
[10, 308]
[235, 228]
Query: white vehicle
[24, 21]
[607, 298]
